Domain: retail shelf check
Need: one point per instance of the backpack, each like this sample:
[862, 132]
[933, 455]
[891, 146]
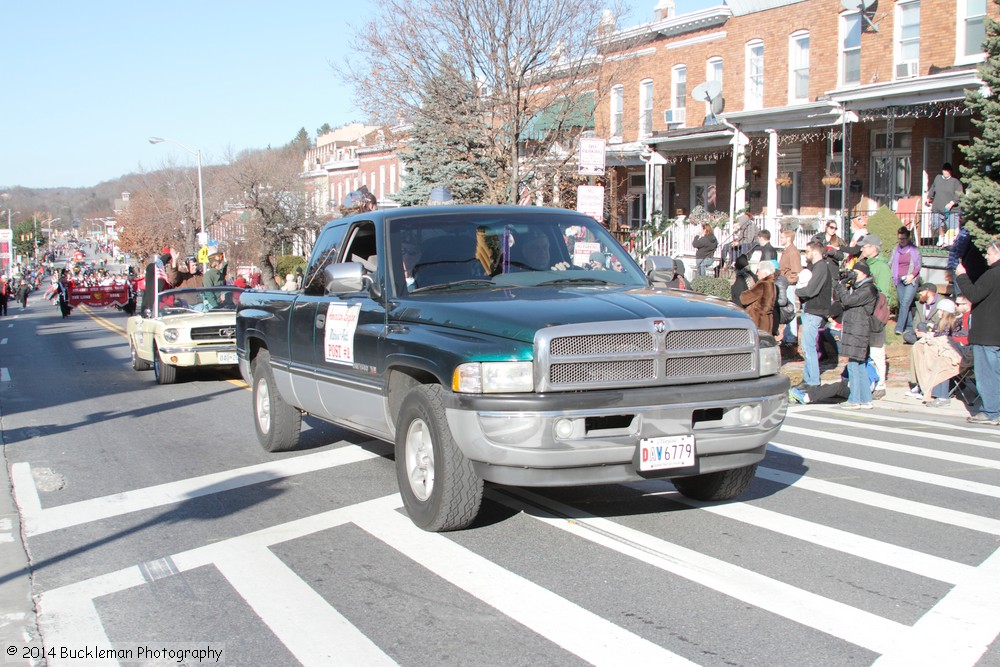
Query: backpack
[880, 314]
[786, 309]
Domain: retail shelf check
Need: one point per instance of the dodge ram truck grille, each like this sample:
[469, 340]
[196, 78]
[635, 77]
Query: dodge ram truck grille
[645, 353]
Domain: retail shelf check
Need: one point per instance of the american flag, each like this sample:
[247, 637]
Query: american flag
[524, 197]
[161, 272]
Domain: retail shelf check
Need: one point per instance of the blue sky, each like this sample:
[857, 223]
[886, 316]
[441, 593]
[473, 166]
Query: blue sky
[85, 84]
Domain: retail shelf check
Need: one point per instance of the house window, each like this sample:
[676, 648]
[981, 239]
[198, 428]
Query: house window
[755, 75]
[798, 67]
[971, 30]
[678, 94]
[646, 108]
[907, 39]
[850, 49]
[617, 104]
[890, 167]
[703, 189]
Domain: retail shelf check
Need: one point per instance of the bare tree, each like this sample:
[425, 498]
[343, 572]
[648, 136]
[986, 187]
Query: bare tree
[530, 75]
[265, 186]
[162, 210]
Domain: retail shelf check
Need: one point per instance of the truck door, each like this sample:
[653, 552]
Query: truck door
[348, 344]
[305, 333]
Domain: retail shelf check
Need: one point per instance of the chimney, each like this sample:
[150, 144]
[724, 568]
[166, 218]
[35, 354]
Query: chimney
[665, 9]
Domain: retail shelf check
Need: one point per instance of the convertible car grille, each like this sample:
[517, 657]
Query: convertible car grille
[214, 333]
[646, 353]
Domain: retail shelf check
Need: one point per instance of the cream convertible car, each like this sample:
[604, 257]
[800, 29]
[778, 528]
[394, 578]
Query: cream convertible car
[189, 328]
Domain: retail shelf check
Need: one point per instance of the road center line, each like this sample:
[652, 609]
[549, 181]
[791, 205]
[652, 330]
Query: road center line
[37, 521]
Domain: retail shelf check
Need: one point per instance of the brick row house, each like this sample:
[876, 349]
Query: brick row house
[348, 157]
[831, 108]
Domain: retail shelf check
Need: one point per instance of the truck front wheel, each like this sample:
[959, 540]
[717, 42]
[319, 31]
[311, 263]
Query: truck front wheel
[278, 424]
[440, 488]
[722, 485]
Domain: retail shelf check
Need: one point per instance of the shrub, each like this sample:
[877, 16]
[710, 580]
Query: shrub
[719, 287]
[287, 264]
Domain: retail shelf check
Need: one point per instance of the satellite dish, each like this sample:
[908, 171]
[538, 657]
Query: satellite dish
[862, 7]
[710, 92]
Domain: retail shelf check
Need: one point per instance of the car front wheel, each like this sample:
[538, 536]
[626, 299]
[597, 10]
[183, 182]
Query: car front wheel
[278, 424]
[440, 488]
[138, 363]
[165, 373]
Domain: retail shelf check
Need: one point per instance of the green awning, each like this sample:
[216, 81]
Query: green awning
[561, 115]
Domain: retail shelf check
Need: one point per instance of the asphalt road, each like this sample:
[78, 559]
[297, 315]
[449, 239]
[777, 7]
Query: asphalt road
[153, 519]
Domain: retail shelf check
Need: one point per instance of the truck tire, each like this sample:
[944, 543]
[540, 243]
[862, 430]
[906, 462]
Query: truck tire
[278, 424]
[722, 485]
[138, 364]
[440, 488]
[165, 373]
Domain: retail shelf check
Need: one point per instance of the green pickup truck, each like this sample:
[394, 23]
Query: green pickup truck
[515, 345]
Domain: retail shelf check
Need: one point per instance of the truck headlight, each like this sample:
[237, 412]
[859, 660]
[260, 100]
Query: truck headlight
[493, 377]
[171, 335]
[769, 354]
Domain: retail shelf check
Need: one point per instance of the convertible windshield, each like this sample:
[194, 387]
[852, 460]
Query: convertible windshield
[509, 249]
[216, 299]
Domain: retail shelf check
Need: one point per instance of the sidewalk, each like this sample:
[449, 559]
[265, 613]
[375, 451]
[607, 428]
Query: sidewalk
[898, 361]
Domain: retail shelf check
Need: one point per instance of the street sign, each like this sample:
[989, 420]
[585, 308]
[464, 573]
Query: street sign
[202, 238]
[203, 254]
[591, 158]
[590, 200]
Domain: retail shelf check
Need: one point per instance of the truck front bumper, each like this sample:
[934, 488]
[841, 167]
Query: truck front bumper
[592, 437]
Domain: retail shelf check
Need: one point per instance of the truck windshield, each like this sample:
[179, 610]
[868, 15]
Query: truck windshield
[510, 249]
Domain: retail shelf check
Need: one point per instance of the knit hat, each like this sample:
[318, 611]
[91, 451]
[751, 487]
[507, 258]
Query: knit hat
[872, 239]
[946, 306]
[863, 268]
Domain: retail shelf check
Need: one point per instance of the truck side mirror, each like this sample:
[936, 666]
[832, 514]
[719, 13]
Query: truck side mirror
[343, 277]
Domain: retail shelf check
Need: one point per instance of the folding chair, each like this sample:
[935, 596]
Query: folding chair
[964, 386]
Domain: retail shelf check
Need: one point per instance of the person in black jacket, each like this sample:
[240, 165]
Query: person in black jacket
[815, 297]
[745, 279]
[705, 246]
[984, 333]
[857, 294]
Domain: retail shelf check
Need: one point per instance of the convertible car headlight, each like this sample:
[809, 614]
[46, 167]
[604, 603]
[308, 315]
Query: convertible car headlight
[171, 335]
[493, 377]
[770, 354]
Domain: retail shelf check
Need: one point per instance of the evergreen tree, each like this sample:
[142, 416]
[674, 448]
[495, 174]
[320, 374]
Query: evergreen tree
[981, 171]
[446, 154]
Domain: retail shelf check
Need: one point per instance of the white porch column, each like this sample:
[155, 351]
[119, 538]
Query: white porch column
[737, 192]
[772, 174]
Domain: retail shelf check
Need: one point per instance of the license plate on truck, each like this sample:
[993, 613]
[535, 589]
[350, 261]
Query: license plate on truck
[669, 451]
[227, 357]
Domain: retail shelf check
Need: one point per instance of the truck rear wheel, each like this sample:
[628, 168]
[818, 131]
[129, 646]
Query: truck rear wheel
[722, 485]
[278, 424]
[439, 486]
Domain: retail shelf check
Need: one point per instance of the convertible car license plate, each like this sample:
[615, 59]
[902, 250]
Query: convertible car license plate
[670, 451]
[227, 357]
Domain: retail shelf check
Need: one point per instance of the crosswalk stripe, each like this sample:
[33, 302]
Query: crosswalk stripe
[67, 615]
[37, 521]
[883, 501]
[909, 560]
[959, 629]
[912, 419]
[949, 436]
[891, 470]
[840, 620]
[575, 629]
[893, 447]
[312, 630]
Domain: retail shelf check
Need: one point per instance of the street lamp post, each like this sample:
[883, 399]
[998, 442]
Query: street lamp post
[201, 198]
